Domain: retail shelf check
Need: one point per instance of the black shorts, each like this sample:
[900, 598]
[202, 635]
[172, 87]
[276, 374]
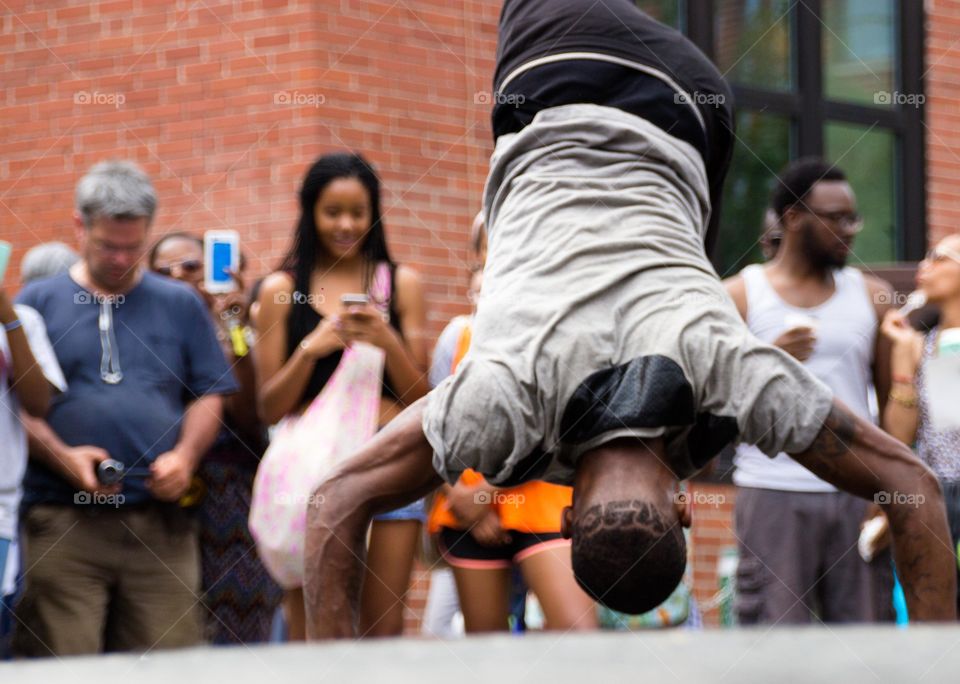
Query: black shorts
[461, 550]
[547, 56]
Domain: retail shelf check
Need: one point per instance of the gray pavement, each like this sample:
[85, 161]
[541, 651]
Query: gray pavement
[778, 656]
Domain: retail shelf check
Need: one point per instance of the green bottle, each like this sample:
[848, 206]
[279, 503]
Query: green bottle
[727, 584]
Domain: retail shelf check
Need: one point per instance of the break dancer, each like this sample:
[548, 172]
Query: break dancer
[605, 352]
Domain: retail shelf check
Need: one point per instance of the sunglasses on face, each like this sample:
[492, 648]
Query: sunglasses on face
[938, 254]
[187, 267]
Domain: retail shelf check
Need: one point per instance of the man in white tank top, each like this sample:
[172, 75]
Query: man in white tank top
[797, 534]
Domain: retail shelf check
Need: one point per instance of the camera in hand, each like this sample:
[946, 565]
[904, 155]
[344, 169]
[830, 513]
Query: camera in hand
[111, 471]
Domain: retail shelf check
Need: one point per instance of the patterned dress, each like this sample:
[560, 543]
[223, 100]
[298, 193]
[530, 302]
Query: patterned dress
[239, 596]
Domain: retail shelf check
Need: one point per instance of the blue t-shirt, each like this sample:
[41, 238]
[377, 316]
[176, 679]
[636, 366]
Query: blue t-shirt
[168, 354]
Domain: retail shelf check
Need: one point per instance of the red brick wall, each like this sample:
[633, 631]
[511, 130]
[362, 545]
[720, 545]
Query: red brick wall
[943, 118]
[711, 533]
[205, 97]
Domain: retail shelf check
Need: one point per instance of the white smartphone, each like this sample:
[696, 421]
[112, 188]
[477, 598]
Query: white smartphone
[349, 300]
[221, 254]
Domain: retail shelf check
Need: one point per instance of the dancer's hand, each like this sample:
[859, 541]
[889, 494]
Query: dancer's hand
[468, 503]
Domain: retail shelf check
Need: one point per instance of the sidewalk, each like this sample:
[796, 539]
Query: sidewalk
[778, 656]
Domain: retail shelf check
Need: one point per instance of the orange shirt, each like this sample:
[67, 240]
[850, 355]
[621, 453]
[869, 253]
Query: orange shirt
[531, 507]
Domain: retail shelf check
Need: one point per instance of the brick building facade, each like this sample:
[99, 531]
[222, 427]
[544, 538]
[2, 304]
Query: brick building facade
[225, 104]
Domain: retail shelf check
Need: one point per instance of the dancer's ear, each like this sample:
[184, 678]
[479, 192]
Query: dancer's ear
[566, 522]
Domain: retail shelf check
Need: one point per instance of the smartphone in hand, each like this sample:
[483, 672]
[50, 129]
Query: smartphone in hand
[349, 300]
[221, 255]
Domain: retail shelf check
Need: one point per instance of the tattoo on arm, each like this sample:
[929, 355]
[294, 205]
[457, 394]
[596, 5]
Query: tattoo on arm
[837, 433]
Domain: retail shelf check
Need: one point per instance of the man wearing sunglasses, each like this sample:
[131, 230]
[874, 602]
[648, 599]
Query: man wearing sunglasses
[795, 531]
[115, 567]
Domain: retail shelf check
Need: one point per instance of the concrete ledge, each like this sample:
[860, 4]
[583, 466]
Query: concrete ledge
[778, 656]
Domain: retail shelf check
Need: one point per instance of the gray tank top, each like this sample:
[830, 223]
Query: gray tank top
[938, 449]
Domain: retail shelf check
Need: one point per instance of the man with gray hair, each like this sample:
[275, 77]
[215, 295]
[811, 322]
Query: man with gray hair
[46, 260]
[115, 566]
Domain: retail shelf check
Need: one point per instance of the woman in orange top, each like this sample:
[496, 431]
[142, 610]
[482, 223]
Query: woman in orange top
[483, 531]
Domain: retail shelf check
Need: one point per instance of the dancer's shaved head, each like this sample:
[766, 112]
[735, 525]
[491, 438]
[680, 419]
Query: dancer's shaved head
[626, 524]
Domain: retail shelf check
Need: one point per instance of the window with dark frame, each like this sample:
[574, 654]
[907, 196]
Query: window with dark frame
[842, 79]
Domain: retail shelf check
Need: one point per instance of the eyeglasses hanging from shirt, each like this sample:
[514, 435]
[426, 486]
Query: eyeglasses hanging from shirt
[110, 371]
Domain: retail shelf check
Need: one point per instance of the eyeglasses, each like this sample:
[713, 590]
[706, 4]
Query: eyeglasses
[187, 267]
[110, 371]
[938, 254]
[850, 220]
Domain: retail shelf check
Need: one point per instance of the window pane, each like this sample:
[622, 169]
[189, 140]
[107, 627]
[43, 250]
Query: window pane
[754, 42]
[869, 159]
[859, 50]
[669, 12]
[762, 150]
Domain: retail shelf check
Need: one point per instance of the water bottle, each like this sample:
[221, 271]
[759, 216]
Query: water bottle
[726, 582]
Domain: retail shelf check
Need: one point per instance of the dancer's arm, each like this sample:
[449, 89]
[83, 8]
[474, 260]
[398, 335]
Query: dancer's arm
[860, 458]
[392, 470]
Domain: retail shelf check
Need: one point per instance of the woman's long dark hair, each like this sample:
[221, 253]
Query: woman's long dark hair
[306, 250]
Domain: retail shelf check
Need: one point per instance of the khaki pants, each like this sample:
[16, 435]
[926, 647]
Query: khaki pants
[107, 580]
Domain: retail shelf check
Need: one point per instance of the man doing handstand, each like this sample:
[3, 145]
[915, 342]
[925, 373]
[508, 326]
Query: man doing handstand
[605, 352]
